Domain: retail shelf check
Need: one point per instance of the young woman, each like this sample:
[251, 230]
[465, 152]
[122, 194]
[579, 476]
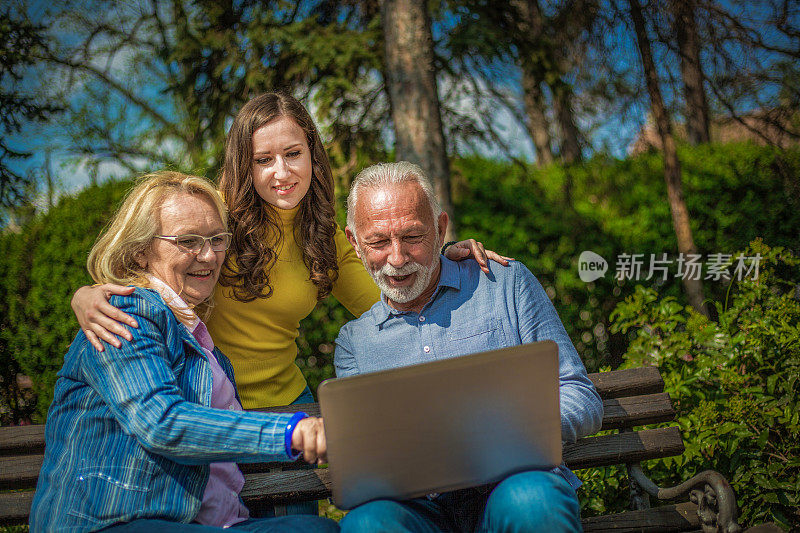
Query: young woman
[287, 253]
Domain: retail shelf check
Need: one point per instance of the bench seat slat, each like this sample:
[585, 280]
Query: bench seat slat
[271, 486]
[15, 507]
[22, 471]
[680, 517]
[588, 452]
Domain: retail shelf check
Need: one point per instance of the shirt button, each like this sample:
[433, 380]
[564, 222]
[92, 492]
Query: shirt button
[427, 349]
[421, 318]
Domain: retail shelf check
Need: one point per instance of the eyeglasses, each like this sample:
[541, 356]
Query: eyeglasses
[195, 243]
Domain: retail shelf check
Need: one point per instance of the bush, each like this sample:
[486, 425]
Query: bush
[41, 268]
[544, 218]
[735, 385]
[17, 404]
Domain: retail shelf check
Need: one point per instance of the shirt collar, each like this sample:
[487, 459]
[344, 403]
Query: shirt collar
[175, 301]
[448, 277]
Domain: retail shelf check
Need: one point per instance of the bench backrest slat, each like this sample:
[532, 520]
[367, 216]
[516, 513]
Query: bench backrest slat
[629, 382]
[630, 397]
[637, 410]
[21, 471]
[21, 440]
[291, 485]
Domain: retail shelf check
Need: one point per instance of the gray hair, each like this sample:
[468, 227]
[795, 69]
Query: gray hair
[385, 174]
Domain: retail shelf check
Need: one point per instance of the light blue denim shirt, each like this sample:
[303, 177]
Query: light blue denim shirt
[474, 312]
[130, 432]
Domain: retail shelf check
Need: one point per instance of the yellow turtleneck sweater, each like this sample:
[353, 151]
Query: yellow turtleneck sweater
[259, 336]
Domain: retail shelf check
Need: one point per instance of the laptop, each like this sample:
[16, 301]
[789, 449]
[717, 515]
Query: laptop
[444, 425]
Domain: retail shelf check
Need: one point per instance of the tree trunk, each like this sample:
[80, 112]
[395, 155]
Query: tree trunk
[562, 103]
[538, 125]
[529, 25]
[411, 85]
[697, 118]
[672, 166]
[49, 181]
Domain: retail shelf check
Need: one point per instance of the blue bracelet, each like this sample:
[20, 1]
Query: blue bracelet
[287, 437]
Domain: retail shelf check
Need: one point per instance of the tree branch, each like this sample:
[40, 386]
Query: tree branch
[170, 127]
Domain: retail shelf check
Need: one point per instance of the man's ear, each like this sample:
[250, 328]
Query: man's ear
[443, 221]
[352, 238]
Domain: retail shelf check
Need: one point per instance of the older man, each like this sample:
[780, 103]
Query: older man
[432, 308]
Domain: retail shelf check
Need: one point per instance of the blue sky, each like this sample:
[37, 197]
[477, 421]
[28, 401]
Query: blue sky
[612, 130]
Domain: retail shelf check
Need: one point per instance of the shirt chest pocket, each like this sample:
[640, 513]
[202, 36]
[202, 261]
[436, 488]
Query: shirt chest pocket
[475, 336]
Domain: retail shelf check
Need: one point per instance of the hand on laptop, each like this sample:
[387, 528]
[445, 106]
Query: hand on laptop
[309, 438]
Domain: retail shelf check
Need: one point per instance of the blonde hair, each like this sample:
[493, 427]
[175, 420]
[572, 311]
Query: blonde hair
[135, 224]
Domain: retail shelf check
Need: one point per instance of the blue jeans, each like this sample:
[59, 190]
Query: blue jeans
[305, 397]
[529, 501]
[312, 524]
[302, 508]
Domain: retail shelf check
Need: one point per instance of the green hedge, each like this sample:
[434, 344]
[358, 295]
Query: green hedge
[39, 270]
[612, 207]
[735, 385]
[735, 193]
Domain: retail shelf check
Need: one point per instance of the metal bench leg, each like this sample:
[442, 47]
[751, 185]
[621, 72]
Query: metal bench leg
[716, 502]
[639, 498]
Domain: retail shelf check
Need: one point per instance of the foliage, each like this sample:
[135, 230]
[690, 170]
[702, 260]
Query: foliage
[16, 405]
[735, 384]
[614, 207]
[40, 269]
[315, 343]
[546, 218]
[157, 83]
[20, 42]
[734, 193]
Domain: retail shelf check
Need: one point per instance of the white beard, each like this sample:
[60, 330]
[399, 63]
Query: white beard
[403, 294]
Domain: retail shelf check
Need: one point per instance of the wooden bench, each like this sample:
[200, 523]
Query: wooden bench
[631, 398]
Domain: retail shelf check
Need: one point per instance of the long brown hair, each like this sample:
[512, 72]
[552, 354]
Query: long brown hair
[255, 224]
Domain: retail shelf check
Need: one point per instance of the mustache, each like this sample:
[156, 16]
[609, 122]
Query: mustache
[405, 270]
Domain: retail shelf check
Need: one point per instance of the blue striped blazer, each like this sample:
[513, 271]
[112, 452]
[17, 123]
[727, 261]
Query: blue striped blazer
[130, 432]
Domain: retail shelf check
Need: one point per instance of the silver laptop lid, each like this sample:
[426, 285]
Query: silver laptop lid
[443, 425]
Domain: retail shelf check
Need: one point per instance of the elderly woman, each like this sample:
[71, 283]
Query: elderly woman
[146, 437]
